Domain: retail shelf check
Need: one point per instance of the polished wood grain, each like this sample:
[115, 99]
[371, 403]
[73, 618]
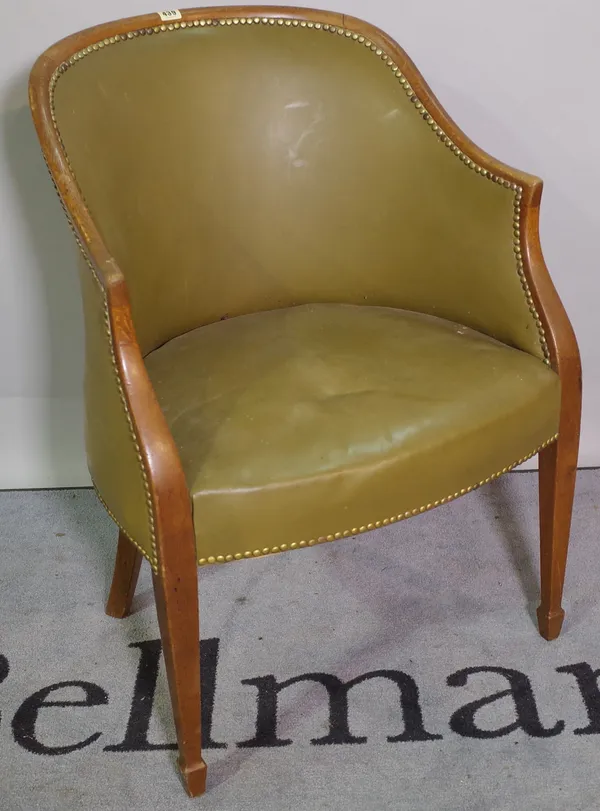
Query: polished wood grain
[125, 577]
[176, 594]
[175, 581]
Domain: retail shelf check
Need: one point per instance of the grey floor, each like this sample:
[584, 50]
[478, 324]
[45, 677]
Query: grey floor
[447, 598]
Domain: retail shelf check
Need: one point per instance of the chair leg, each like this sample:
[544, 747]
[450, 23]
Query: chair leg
[125, 577]
[177, 609]
[557, 473]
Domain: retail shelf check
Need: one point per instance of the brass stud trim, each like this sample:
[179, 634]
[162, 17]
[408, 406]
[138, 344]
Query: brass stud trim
[124, 531]
[373, 525]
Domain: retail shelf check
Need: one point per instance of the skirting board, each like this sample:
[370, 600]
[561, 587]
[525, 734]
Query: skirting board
[42, 444]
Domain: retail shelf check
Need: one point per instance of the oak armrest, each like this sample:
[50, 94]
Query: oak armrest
[132, 457]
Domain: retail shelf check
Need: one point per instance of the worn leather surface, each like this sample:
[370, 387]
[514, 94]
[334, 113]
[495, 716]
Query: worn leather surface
[298, 423]
[244, 168]
[112, 458]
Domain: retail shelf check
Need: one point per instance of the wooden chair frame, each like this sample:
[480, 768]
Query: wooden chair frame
[175, 579]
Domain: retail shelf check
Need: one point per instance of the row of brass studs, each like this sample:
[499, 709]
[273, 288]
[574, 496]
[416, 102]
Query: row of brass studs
[347, 533]
[152, 559]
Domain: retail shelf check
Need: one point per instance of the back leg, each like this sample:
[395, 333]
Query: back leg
[125, 577]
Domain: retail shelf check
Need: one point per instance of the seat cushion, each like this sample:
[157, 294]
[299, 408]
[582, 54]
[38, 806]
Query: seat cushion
[320, 421]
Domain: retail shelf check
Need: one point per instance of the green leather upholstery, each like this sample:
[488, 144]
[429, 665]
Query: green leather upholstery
[242, 168]
[299, 423]
[300, 250]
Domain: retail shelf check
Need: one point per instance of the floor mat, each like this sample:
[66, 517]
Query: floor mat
[398, 670]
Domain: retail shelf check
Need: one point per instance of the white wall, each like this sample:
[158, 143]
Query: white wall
[520, 76]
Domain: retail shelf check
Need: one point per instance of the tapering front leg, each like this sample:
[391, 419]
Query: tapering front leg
[177, 608]
[557, 474]
[125, 576]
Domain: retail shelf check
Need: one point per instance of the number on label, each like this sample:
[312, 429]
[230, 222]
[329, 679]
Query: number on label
[170, 14]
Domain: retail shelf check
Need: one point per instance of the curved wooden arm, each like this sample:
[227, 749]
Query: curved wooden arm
[166, 491]
[132, 456]
[562, 343]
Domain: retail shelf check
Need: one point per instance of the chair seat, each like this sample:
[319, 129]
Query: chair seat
[316, 422]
